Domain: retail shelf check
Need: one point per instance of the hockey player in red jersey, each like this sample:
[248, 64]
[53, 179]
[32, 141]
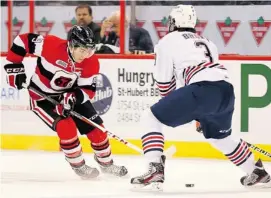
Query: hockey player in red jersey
[66, 71]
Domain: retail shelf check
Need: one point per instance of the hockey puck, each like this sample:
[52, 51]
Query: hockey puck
[189, 185]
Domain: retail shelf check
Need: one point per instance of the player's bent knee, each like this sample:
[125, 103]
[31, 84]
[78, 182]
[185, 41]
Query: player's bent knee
[96, 135]
[221, 134]
[66, 128]
[56, 121]
[227, 144]
[150, 123]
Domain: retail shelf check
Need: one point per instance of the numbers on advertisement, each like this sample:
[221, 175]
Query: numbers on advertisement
[128, 117]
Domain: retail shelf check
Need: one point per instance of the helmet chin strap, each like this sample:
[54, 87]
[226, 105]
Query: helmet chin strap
[70, 52]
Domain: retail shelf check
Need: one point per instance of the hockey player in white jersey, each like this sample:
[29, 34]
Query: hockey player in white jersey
[206, 96]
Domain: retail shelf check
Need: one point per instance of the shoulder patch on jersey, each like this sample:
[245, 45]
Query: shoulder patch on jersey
[61, 63]
[38, 39]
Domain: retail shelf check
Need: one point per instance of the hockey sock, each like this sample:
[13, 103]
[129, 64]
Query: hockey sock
[153, 146]
[237, 151]
[69, 142]
[153, 140]
[100, 145]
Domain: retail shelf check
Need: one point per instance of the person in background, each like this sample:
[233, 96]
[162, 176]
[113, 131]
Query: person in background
[139, 39]
[84, 18]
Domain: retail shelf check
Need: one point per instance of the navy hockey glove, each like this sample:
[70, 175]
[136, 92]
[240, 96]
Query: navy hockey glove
[15, 75]
[66, 105]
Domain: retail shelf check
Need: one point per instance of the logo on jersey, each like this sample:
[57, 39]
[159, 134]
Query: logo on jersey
[200, 26]
[62, 63]
[16, 26]
[63, 80]
[69, 24]
[259, 29]
[225, 131]
[39, 39]
[227, 29]
[43, 27]
[103, 95]
[161, 27]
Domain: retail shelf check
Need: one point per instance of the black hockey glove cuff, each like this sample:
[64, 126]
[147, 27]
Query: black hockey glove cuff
[15, 75]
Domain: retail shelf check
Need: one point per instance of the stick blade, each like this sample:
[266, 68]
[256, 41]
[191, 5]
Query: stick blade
[170, 151]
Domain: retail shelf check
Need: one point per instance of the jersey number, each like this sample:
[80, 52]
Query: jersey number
[207, 50]
[62, 81]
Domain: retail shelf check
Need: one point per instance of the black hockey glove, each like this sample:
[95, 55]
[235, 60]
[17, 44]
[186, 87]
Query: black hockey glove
[66, 105]
[15, 75]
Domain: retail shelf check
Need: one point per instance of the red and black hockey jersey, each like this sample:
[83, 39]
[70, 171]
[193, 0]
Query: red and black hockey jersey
[56, 72]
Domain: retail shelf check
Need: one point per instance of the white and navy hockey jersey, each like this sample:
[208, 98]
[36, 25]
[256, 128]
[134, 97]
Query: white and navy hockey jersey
[187, 58]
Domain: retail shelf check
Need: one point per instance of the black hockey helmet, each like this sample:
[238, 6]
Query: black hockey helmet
[80, 36]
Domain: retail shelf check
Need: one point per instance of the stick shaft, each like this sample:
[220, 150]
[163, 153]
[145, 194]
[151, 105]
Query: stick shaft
[90, 122]
[255, 148]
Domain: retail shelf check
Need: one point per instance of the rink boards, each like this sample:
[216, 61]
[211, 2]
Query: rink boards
[125, 89]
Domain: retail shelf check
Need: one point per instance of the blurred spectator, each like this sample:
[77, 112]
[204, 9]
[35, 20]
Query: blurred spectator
[84, 18]
[139, 39]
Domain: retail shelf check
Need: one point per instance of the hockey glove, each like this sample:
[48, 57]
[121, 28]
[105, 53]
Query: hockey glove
[198, 127]
[66, 105]
[15, 75]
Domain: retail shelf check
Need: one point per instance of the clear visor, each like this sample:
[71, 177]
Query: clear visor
[86, 51]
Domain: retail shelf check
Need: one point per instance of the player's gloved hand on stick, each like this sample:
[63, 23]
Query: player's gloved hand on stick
[15, 75]
[66, 105]
[198, 127]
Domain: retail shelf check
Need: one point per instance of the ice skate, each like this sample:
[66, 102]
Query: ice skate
[258, 176]
[111, 168]
[85, 172]
[154, 177]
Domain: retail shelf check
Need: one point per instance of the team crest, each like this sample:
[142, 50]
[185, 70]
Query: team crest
[62, 63]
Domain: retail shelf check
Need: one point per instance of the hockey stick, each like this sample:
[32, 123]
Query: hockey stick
[255, 148]
[169, 152]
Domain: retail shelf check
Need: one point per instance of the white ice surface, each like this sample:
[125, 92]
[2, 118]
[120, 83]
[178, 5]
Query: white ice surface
[26, 174]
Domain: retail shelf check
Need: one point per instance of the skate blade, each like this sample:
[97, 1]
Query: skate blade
[265, 185]
[95, 174]
[153, 187]
[260, 185]
[113, 176]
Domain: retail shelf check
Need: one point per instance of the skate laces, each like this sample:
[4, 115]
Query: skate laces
[252, 178]
[85, 169]
[112, 168]
[150, 170]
